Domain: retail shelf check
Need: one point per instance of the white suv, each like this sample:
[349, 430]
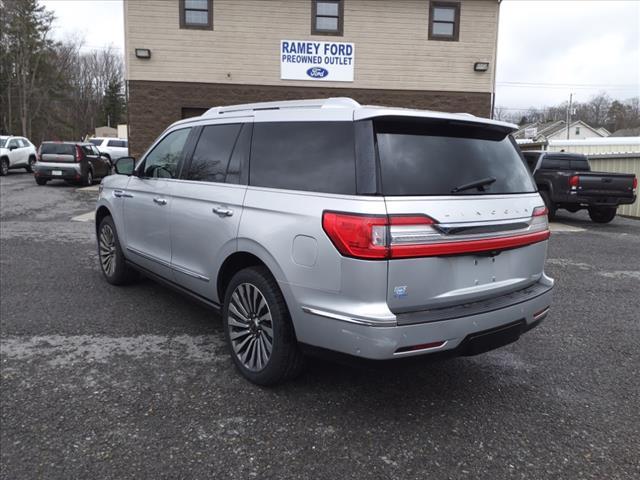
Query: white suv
[114, 148]
[16, 152]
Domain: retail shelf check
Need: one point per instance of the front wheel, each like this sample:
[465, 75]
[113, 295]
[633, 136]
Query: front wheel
[112, 261]
[602, 214]
[258, 328]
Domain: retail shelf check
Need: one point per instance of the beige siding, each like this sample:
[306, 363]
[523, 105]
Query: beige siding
[630, 164]
[390, 37]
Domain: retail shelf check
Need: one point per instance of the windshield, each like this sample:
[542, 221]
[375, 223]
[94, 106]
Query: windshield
[436, 157]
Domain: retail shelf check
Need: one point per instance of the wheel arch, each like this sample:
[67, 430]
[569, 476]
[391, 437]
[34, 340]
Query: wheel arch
[101, 213]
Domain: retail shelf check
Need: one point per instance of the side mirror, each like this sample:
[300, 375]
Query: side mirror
[125, 165]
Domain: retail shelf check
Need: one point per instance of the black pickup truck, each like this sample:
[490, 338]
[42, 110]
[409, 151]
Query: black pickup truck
[565, 180]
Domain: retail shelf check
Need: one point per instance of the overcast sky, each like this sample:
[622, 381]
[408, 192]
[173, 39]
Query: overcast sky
[546, 49]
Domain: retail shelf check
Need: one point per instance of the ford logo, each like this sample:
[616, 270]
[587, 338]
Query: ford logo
[317, 72]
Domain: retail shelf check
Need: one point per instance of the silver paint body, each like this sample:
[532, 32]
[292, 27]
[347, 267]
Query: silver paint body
[339, 303]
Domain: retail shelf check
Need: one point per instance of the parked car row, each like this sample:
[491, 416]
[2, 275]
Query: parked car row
[81, 162]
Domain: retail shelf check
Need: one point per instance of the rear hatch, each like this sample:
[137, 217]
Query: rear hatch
[57, 152]
[602, 184]
[465, 221]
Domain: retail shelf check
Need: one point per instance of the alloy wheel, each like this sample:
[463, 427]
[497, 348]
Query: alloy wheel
[107, 250]
[250, 327]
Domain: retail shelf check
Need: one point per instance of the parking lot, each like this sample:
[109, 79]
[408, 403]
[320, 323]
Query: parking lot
[135, 382]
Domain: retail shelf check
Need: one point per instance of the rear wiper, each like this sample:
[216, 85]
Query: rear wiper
[479, 184]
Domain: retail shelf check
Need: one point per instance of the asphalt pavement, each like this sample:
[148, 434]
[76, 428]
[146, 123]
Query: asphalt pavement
[100, 381]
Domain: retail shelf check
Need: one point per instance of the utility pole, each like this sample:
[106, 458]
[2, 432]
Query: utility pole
[569, 113]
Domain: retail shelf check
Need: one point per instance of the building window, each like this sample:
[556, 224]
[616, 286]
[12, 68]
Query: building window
[196, 14]
[577, 130]
[327, 17]
[444, 21]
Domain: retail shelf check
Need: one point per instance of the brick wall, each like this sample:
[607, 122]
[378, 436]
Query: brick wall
[155, 105]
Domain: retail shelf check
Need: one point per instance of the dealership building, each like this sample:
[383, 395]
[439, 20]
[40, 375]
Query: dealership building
[185, 56]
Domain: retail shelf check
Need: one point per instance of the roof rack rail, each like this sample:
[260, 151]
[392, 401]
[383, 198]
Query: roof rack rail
[333, 102]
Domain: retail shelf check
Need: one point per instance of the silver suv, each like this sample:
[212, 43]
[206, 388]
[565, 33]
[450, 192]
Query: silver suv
[326, 225]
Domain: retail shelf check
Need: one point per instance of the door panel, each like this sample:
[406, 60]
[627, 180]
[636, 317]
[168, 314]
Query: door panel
[202, 238]
[146, 221]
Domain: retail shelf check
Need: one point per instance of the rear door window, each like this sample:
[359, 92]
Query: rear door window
[210, 160]
[309, 156]
[435, 157]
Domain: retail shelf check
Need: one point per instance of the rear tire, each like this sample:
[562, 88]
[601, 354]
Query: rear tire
[29, 167]
[112, 261]
[88, 179]
[258, 329]
[602, 214]
[41, 181]
[4, 167]
[546, 198]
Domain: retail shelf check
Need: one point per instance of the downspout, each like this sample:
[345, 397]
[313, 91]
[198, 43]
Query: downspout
[495, 63]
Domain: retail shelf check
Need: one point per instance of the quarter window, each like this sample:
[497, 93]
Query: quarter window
[162, 161]
[444, 21]
[326, 17]
[310, 156]
[116, 143]
[196, 14]
[210, 159]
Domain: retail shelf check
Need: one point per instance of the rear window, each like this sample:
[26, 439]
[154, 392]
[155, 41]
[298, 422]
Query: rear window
[550, 162]
[427, 157]
[580, 163]
[311, 156]
[57, 149]
[95, 141]
[117, 143]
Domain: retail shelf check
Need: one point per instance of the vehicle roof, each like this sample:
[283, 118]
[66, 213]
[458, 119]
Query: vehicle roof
[67, 143]
[335, 108]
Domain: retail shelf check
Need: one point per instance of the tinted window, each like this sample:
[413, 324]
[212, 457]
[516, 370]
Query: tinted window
[163, 160]
[311, 156]
[115, 143]
[580, 164]
[211, 156]
[2, 142]
[57, 149]
[95, 141]
[419, 157]
[555, 163]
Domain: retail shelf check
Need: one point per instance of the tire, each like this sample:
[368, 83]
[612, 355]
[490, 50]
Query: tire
[115, 270]
[4, 167]
[88, 178]
[547, 203]
[602, 214]
[41, 181]
[250, 346]
[29, 167]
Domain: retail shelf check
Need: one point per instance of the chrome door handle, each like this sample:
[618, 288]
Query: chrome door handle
[160, 201]
[223, 212]
[121, 193]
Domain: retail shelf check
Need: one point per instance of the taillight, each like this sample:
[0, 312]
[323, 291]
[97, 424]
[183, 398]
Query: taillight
[574, 181]
[376, 237]
[79, 154]
[635, 182]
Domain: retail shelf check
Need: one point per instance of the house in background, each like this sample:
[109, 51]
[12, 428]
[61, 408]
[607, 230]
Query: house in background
[540, 133]
[185, 56]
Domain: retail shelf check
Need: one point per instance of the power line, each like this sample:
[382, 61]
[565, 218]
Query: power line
[610, 86]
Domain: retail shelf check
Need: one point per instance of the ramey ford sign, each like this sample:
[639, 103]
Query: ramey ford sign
[316, 61]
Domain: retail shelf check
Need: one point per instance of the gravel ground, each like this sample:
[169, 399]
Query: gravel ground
[135, 382]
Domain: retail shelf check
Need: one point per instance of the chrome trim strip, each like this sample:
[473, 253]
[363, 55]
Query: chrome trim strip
[149, 257]
[345, 318]
[411, 352]
[542, 314]
[176, 268]
[190, 273]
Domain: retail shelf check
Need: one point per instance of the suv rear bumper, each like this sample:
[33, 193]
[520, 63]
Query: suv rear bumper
[69, 171]
[463, 335]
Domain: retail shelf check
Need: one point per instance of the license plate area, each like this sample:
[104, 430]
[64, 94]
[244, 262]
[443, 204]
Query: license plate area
[56, 173]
